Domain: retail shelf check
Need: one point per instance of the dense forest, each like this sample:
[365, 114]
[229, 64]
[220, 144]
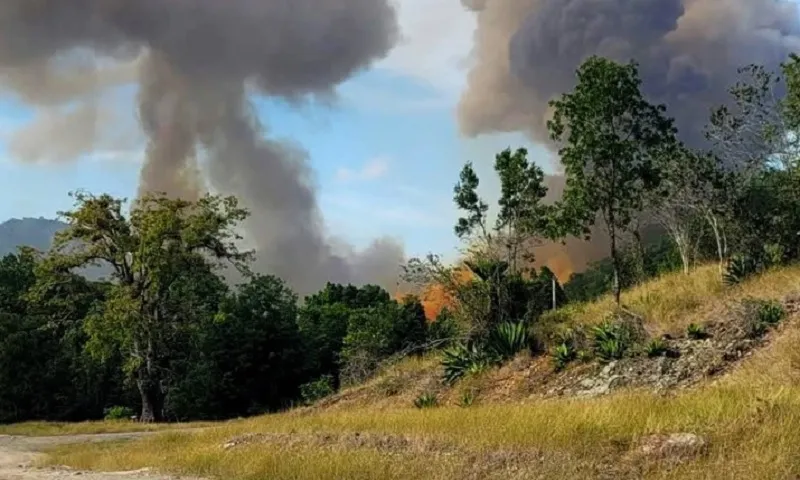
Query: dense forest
[166, 338]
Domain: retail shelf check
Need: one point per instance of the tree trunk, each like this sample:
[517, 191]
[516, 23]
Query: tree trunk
[721, 248]
[641, 253]
[615, 263]
[152, 401]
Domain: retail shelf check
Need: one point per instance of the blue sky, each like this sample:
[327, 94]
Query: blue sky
[385, 157]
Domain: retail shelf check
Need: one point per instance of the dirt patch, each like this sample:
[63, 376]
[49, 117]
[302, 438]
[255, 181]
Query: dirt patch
[18, 455]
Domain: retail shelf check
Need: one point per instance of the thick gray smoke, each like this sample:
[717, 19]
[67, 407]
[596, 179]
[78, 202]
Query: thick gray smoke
[196, 62]
[527, 51]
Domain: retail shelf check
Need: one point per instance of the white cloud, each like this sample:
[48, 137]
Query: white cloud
[372, 170]
[437, 41]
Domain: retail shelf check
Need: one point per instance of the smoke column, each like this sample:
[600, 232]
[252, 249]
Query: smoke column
[196, 63]
[526, 53]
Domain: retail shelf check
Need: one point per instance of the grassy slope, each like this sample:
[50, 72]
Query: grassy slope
[751, 417]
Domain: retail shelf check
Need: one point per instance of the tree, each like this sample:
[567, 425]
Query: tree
[323, 321]
[689, 193]
[522, 218]
[609, 136]
[247, 359]
[150, 251]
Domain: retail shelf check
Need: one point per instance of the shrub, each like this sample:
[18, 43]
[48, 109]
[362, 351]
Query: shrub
[771, 312]
[465, 359]
[467, 398]
[696, 332]
[508, 339]
[738, 269]
[562, 355]
[443, 329]
[656, 348]
[761, 315]
[118, 413]
[426, 400]
[612, 340]
[318, 389]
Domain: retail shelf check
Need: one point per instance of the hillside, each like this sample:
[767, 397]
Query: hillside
[37, 233]
[31, 232]
[738, 421]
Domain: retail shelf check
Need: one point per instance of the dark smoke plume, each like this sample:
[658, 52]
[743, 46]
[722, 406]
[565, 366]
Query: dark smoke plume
[196, 63]
[526, 53]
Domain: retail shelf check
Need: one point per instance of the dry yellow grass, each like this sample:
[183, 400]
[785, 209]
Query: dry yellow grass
[672, 302]
[40, 429]
[751, 418]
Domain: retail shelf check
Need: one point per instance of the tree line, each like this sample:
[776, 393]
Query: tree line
[168, 336]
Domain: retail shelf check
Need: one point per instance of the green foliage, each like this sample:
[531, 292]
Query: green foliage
[119, 413]
[316, 390]
[738, 269]
[374, 334]
[467, 398]
[610, 139]
[443, 330]
[660, 257]
[696, 332]
[656, 347]
[612, 340]
[508, 339]
[771, 312]
[762, 315]
[563, 353]
[426, 400]
[324, 320]
[465, 359]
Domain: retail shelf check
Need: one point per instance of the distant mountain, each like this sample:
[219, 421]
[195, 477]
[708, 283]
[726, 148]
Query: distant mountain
[30, 232]
[37, 233]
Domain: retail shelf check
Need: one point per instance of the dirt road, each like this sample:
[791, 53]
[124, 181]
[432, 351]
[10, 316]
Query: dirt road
[18, 453]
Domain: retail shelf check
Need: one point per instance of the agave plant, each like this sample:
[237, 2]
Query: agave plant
[739, 268]
[508, 339]
[465, 359]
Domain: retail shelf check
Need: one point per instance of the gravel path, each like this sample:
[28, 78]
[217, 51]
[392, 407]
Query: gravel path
[18, 453]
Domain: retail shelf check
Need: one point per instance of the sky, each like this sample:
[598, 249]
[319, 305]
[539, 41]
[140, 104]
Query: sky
[385, 155]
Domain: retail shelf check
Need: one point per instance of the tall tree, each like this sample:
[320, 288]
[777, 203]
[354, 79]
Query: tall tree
[149, 251]
[609, 136]
[522, 218]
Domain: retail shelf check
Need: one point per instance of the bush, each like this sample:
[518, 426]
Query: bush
[739, 268]
[562, 355]
[465, 359]
[696, 332]
[443, 329]
[761, 315]
[612, 340]
[426, 400]
[119, 413]
[656, 348]
[508, 339]
[317, 390]
[770, 312]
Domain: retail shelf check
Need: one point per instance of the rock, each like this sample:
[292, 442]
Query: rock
[671, 447]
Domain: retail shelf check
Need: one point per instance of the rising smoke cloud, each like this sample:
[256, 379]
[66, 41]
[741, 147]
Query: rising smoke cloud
[526, 53]
[197, 63]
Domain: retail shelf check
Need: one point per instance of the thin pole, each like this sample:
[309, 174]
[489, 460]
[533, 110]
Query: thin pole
[553, 282]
